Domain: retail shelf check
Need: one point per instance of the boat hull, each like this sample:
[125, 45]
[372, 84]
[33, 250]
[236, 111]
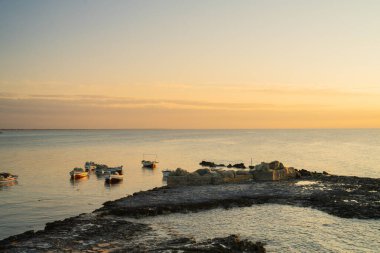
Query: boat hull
[150, 165]
[79, 175]
[6, 178]
[113, 179]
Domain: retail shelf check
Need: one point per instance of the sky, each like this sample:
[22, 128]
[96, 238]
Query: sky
[189, 64]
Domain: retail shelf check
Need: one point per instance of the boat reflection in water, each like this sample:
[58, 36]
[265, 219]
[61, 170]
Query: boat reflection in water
[7, 179]
[4, 185]
[75, 182]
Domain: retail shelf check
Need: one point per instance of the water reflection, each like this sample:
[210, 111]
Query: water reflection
[99, 176]
[6, 185]
[75, 182]
[283, 228]
[110, 186]
[148, 171]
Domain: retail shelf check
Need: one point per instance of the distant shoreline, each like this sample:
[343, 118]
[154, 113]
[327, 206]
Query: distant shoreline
[177, 129]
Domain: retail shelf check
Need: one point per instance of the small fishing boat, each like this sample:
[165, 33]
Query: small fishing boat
[100, 168]
[7, 178]
[118, 169]
[89, 166]
[166, 173]
[77, 173]
[113, 177]
[149, 163]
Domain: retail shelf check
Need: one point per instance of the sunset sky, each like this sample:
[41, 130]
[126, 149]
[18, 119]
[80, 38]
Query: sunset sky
[190, 64]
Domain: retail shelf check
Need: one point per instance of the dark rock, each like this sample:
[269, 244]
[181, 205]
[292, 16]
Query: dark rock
[179, 172]
[211, 164]
[207, 164]
[239, 166]
[202, 172]
[7, 242]
[304, 173]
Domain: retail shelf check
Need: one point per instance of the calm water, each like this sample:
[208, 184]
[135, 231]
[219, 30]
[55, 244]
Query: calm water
[43, 159]
[282, 228]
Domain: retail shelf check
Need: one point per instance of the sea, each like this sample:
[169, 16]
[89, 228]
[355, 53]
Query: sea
[44, 192]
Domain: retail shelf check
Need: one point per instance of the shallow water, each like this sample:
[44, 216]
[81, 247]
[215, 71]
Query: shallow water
[43, 159]
[282, 228]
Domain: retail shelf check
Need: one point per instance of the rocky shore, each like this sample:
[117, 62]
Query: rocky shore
[108, 230]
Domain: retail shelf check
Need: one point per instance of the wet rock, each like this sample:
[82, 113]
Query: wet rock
[304, 173]
[227, 244]
[237, 166]
[211, 164]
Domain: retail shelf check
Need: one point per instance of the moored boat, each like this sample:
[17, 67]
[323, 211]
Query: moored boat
[89, 166]
[149, 163]
[100, 168]
[118, 169]
[6, 177]
[113, 177]
[77, 173]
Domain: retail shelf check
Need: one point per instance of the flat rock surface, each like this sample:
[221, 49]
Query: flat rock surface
[92, 233]
[347, 197]
[107, 230]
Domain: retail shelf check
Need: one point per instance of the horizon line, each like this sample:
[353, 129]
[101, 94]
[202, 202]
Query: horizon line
[97, 129]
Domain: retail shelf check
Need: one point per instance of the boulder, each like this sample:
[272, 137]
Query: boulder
[276, 165]
[227, 173]
[202, 172]
[273, 171]
[239, 166]
[262, 167]
[207, 164]
[211, 164]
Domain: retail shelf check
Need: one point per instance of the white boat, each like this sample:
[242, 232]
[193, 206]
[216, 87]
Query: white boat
[77, 173]
[149, 163]
[113, 177]
[118, 169]
[88, 166]
[7, 178]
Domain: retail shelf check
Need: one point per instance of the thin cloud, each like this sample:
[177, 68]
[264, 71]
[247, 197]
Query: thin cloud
[127, 102]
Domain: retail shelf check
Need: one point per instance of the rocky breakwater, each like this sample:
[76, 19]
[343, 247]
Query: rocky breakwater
[343, 196]
[206, 176]
[273, 171]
